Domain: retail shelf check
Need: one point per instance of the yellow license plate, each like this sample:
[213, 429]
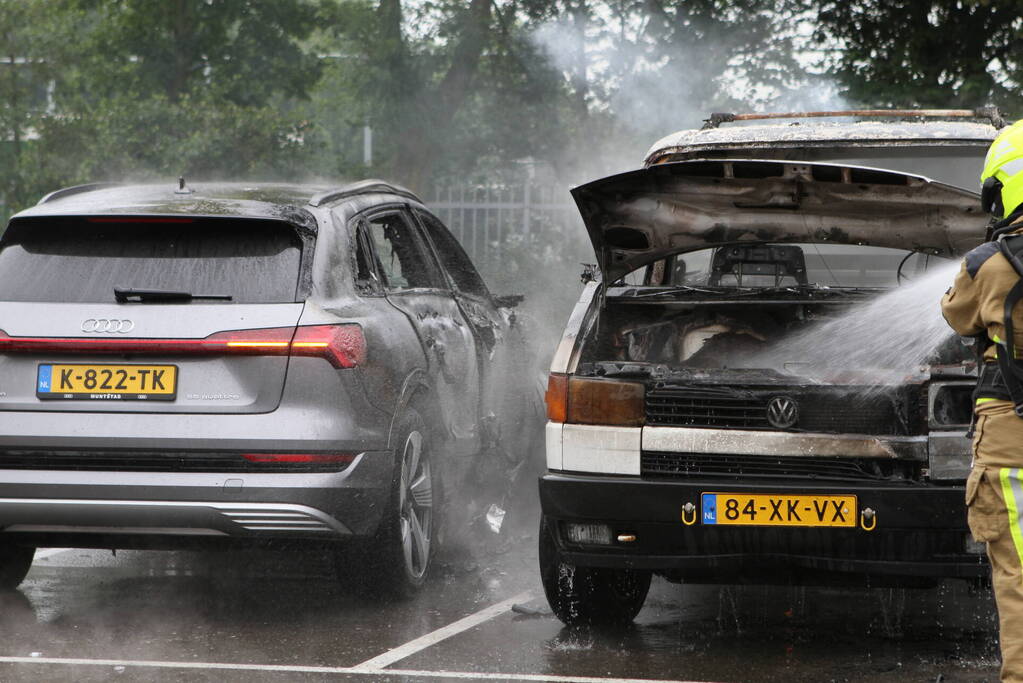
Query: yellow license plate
[782, 509]
[107, 382]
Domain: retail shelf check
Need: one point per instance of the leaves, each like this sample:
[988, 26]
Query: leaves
[941, 53]
[453, 89]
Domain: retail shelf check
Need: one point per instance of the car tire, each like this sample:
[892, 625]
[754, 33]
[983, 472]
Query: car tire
[405, 543]
[589, 595]
[15, 561]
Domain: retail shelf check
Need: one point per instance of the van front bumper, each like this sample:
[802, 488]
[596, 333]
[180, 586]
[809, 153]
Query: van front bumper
[920, 529]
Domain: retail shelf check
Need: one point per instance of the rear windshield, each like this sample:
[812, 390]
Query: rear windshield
[82, 261]
[772, 265]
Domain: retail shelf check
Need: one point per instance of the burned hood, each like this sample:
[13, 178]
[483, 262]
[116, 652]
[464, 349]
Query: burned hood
[641, 216]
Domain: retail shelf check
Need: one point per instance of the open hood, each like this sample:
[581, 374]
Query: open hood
[641, 216]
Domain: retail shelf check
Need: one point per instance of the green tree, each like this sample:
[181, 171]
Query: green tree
[152, 88]
[33, 40]
[243, 51]
[937, 53]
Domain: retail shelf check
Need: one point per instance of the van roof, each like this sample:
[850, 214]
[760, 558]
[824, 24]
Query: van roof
[731, 141]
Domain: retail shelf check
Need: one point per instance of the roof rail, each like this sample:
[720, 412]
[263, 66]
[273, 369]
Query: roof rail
[362, 187]
[75, 189]
[989, 112]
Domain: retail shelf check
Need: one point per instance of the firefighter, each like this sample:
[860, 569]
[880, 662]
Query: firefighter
[975, 306]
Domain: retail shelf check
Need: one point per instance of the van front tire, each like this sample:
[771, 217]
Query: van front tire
[589, 595]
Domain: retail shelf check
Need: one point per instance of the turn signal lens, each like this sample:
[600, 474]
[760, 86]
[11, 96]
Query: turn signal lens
[606, 402]
[557, 398]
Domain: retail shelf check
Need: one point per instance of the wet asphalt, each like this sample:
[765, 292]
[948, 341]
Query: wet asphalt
[86, 615]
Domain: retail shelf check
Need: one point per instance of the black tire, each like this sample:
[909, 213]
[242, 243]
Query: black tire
[404, 546]
[589, 595]
[15, 561]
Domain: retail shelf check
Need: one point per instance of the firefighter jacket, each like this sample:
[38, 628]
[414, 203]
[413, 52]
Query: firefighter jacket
[975, 304]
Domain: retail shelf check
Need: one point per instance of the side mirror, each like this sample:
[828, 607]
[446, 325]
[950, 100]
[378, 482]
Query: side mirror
[509, 300]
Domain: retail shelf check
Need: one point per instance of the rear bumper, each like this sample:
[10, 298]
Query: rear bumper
[921, 530]
[126, 509]
[292, 428]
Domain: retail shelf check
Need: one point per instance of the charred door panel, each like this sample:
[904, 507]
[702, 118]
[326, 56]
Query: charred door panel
[414, 285]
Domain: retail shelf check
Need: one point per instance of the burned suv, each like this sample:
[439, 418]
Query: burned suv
[199, 366]
[758, 386]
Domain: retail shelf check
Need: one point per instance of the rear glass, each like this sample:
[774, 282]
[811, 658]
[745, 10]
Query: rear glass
[772, 265]
[82, 262]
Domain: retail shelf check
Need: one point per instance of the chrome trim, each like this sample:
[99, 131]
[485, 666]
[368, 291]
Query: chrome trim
[249, 516]
[756, 442]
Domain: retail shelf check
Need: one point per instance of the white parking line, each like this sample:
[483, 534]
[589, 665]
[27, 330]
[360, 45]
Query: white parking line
[284, 668]
[50, 552]
[422, 642]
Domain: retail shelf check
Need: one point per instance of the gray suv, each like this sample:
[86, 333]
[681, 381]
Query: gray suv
[191, 366]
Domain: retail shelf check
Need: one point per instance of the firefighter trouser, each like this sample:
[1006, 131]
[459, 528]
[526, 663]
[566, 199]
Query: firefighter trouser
[994, 499]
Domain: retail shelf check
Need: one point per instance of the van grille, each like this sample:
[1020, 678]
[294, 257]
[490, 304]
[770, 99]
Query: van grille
[659, 464]
[819, 411]
[677, 408]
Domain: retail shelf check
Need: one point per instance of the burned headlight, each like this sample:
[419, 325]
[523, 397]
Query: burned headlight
[951, 405]
[595, 401]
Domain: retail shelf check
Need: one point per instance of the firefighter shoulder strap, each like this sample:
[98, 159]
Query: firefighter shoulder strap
[1010, 366]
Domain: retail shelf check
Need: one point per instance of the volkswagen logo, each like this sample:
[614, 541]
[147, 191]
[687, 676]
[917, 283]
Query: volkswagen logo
[106, 325]
[782, 412]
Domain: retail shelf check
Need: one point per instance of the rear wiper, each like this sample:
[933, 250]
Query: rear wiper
[125, 295]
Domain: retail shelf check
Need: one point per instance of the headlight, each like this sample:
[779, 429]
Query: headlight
[595, 401]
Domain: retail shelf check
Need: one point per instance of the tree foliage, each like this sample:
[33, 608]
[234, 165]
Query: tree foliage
[466, 89]
[936, 53]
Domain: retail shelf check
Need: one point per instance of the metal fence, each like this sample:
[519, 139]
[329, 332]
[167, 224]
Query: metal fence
[486, 218]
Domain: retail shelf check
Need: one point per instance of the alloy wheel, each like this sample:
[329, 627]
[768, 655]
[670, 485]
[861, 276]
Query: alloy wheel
[416, 506]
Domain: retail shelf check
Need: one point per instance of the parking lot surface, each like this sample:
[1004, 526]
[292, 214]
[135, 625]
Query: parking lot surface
[86, 615]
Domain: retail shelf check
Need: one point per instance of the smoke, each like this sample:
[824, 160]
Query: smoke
[640, 82]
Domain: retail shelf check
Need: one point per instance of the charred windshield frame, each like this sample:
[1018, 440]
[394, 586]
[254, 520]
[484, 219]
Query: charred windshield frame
[746, 267]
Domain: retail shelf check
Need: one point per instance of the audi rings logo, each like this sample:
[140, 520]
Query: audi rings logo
[106, 325]
[782, 412]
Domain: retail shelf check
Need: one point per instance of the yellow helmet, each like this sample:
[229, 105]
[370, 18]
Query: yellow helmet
[1001, 181]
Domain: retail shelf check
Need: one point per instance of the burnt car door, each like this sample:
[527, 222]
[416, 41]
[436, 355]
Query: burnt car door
[510, 374]
[414, 283]
[468, 287]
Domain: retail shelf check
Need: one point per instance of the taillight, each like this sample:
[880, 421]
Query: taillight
[581, 400]
[343, 346]
[301, 458]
